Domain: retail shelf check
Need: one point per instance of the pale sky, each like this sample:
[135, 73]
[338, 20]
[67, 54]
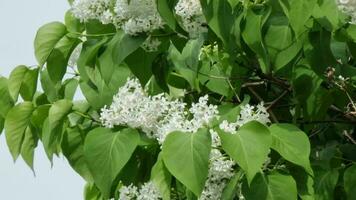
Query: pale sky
[19, 22]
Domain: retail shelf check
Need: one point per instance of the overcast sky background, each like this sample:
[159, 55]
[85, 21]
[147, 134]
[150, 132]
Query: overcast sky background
[19, 22]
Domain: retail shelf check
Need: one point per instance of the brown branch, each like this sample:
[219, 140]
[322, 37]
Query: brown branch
[346, 134]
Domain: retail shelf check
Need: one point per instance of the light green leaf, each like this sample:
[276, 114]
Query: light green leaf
[274, 186]
[73, 149]
[350, 182]
[298, 12]
[253, 37]
[162, 178]
[6, 101]
[186, 156]
[126, 46]
[281, 187]
[165, 10]
[106, 153]
[28, 146]
[46, 39]
[57, 61]
[23, 81]
[249, 147]
[58, 112]
[292, 144]
[15, 80]
[17, 120]
[2, 121]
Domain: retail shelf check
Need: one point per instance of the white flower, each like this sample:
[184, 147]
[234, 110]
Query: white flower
[128, 192]
[248, 113]
[349, 8]
[137, 16]
[220, 171]
[149, 191]
[151, 44]
[191, 15]
[157, 115]
[86, 10]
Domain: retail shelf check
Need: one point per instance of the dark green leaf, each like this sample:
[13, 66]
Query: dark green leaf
[350, 182]
[324, 184]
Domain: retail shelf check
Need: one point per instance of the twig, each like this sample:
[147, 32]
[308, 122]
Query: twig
[346, 134]
[234, 90]
[253, 84]
[273, 103]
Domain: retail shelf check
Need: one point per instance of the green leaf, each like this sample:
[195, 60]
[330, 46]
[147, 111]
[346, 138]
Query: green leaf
[249, 147]
[292, 144]
[274, 186]
[73, 149]
[72, 23]
[252, 35]
[23, 81]
[88, 56]
[53, 126]
[106, 62]
[6, 101]
[57, 61]
[17, 120]
[58, 112]
[186, 156]
[162, 178]
[91, 192]
[2, 121]
[350, 182]
[220, 18]
[141, 68]
[29, 84]
[15, 80]
[165, 10]
[46, 39]
[281, 187]
[229, 192]
[108, 152]
[324, 184]
[298, 12]
[28, 146]
[126, 46]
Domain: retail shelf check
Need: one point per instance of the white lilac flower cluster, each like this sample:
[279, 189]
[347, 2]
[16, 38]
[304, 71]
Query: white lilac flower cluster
[220, 172]
[192, 17]
[157, 115]
[248, 113]
[148, 191]
[86, 10]
[137, 16]
[348, 7]
[134, 16]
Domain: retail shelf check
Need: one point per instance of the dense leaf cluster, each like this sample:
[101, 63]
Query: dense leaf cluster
[297, 56]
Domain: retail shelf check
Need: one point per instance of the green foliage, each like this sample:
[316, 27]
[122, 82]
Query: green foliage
[106, 153]
[186, 156]
[297, 56]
